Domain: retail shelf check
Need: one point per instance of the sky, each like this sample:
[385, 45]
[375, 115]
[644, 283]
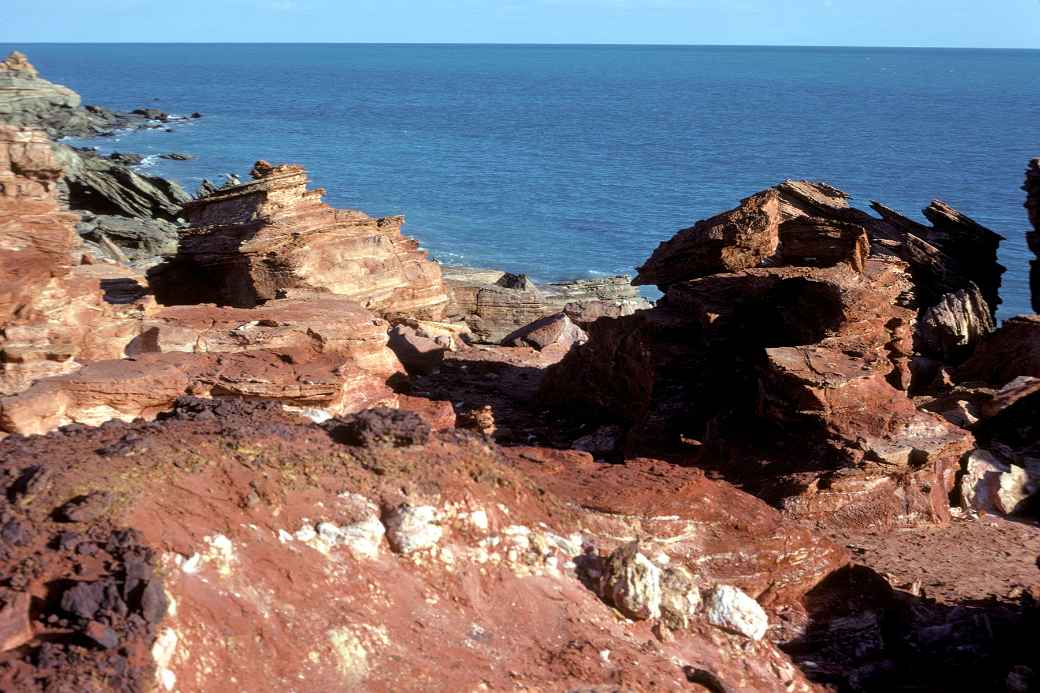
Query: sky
[932, 23]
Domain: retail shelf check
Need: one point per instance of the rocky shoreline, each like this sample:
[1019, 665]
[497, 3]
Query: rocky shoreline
[249, 437]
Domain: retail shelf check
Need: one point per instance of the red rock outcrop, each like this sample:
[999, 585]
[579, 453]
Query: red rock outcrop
[811, 224]
[55, 313]
[232, 542]
[257, 241]
[783, 351]
[68, 329]
[1032, 188]
[325, 355]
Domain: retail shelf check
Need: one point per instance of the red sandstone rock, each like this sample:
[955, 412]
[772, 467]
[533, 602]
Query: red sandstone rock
[781, 353]
[321, 352]
[251, 242]
[15, 628]
[327, 356]
[418, 352]
[1011, 351]
[273, 556]
[55, 313]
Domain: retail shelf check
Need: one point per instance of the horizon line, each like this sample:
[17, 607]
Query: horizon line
[522, 44]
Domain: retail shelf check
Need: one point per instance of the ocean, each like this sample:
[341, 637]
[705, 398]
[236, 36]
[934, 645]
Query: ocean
[570, 161]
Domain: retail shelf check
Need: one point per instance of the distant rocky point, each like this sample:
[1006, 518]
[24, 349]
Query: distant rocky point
[26, 99]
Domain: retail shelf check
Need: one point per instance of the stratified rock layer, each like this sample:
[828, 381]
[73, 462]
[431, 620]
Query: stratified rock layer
[84, 343]
[55, 313]
[256, 241]
[791, 331]
[495, 304]
[325, 356]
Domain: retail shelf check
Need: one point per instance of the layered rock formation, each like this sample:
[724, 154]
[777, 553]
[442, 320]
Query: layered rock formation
[791, 331]
[254, 242]
[55, 312]
[495, 304]
[85, 343]
[105, 186]
[324, 356]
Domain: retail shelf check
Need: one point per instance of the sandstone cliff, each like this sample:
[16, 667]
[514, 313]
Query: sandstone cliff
[55, 311]
[253, 242]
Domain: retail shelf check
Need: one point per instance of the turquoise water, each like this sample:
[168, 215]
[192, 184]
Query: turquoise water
[574, 160]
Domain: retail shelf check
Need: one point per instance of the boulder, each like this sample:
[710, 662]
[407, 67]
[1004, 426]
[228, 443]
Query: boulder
[991, 486]
[632, 583]
[554, 331]
[252, 242]
[418, 353]
[729, 608]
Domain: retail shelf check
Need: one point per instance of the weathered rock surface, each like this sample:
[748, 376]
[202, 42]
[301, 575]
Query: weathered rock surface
[134, 212]
[418, 351]
[229, 541]
[495, 304]
[102, 186]
[326, 356]
[811, 224]
[784, 349]
[55, 313]
[138, 242]
[253, 242]
[1032, 188]
[991, 486]
[1010, 352]
[555, 331]
[729, 608]
[69, 329]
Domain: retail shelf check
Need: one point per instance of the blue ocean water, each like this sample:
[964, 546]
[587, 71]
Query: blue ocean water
[566, 161]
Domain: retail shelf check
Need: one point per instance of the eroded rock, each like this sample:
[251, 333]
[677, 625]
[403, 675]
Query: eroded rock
[271, 236]
[808, 322]
[729, 608]
[632, 583]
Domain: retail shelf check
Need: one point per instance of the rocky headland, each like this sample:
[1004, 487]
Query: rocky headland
[251, 440]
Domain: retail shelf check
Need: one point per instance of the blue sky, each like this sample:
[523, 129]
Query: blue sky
[955, 23]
